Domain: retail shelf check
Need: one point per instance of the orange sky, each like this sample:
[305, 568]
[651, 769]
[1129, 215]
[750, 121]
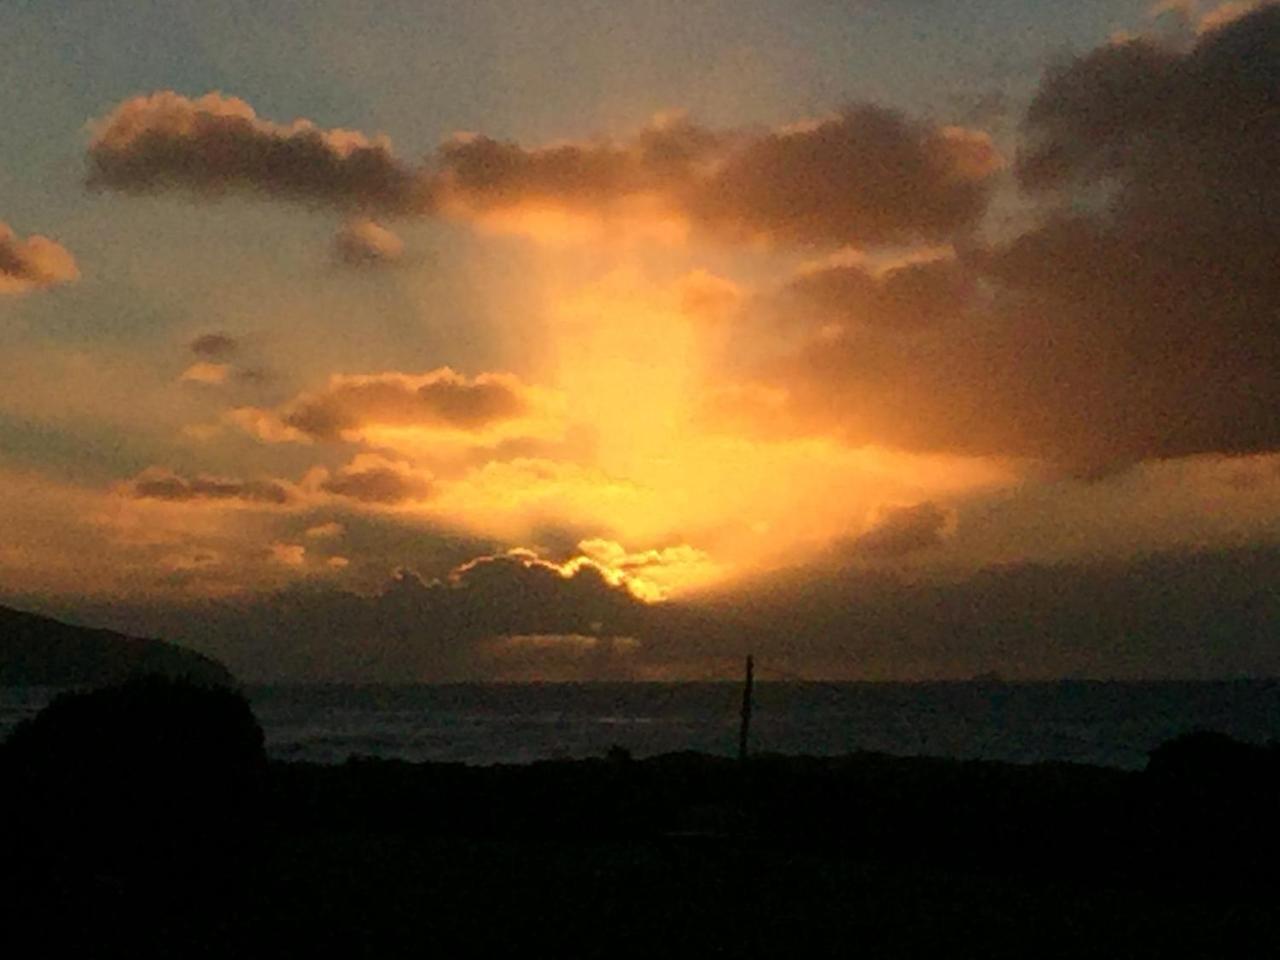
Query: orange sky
[257, 337]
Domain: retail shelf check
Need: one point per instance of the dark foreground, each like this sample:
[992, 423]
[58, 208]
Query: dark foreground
[207, 850]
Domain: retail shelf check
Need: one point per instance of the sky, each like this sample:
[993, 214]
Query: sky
[493, 340]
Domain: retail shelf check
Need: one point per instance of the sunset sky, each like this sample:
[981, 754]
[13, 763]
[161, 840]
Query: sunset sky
[410, 340]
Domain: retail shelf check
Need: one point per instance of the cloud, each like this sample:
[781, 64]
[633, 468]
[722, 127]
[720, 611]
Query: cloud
[264, 425]
[368, 479]
[34, 263]
[351, 403]
[519, 594]
[469, 623]
[1183, 10]
[208, 373]
[1128, 110]
[373, 479]
[1155, 617]
[326, 531]
[710, 297]
[868, 176]
[1173, 288]
[215, 144]
[215, 346]
[288, 554]
[1135, 321]
[480, 173]
[648, 574]
[865, 176]
[1226, 13]
[363, 242]
[159, 484]
[907, 295]
[900, 530]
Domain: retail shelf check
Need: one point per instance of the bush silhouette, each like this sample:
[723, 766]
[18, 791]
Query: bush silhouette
[122, 779]
[1204, 755]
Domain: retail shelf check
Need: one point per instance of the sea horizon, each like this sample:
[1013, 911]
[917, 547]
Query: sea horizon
[1111, 723]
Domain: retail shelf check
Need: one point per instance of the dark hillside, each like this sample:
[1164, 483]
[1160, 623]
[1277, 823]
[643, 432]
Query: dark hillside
[38, 651]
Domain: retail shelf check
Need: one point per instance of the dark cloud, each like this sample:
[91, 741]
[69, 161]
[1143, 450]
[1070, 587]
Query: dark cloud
[163, 485]
[664, 160]
[485, 173]
[413, 628]
[33, 263]
[1139, 319]
[1197, 615]
[254, 376]
[1089, 109]
[215, 144]
[372, 480]
[905, 296]
[902, 530]
[866, 176]
[438, 398]
[1203, 615]
[215, 346]
[517, 593]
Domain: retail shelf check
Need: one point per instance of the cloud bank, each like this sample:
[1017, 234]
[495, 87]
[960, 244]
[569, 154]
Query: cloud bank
[866, 175]
[1136, 321]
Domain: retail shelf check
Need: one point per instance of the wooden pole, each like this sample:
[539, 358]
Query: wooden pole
[746, 712]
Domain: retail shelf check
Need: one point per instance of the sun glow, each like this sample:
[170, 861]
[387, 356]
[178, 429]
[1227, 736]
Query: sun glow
[680, 504]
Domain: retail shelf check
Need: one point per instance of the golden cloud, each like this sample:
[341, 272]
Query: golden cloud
[288, 554]
[326, 531]
[1226, 13]
[211, 374]
[34, 263]
[707, 296]
[363, 242]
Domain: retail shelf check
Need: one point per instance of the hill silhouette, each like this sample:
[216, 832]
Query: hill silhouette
[39, 651]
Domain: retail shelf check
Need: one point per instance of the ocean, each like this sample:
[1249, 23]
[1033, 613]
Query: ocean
[1108, 723]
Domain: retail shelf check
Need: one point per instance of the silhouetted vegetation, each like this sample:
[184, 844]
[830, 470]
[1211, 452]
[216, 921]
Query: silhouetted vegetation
[131, 803]
[148, 809]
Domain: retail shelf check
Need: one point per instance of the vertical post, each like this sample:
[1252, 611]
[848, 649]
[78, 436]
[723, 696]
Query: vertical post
[746, 712]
